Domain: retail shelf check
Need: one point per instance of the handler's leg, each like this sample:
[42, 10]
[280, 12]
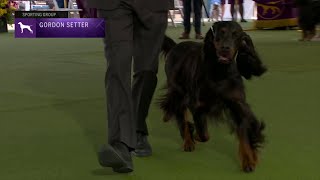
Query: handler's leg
[147, 47]
[121, 124]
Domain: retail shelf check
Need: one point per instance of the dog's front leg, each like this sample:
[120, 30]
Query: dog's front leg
[186, 130]
[201, 125]
[248, 155]
[249, 133]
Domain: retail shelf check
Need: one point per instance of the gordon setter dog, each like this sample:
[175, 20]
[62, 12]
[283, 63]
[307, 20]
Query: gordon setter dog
[309, 17]
[204, 80]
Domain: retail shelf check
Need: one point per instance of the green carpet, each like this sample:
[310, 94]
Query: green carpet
[52, 115]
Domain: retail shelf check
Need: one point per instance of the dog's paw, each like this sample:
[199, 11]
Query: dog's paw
[249, 161]
[166, 117]
[189, 145]
[202, 138]
[248, 166]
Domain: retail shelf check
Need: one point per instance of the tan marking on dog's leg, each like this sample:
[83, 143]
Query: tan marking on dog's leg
[248, 156]
[189, 144]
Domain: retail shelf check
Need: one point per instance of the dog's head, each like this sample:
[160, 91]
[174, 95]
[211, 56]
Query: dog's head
[19, 23]
[224, 39]
[227, 43]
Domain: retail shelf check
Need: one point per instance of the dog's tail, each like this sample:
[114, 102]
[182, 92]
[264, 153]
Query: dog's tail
[167, 45]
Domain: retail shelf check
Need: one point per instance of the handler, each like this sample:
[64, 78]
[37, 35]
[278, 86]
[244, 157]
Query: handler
[134, 30]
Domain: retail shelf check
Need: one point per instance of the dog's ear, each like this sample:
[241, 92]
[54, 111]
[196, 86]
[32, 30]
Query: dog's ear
[209, 48]
[248, 61]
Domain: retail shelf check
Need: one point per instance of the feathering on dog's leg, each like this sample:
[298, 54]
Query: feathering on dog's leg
[169, 104]
[186, 130]
[248, 156]
[201, 125]
[249, 133]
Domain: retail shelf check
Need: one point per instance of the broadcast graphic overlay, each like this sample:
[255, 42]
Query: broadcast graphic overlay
[56, 24]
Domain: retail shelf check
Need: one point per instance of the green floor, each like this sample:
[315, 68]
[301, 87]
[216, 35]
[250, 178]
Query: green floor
[52, 115]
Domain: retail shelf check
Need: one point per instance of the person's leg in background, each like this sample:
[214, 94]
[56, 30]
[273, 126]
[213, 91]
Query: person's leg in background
[120, 113]
[86, 11]
[305, 20]
[81, 6]
[197, 5]
[147, 47]
[210, 9]
[186, 19]
[316, 8]
[60, 3]
[232, 9]
[241, 10]
[216, 11]
[223, 2]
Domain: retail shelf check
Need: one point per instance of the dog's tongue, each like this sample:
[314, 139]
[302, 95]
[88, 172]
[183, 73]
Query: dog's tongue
[224, 59]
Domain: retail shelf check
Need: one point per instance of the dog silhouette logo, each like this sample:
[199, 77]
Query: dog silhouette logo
[27, 27]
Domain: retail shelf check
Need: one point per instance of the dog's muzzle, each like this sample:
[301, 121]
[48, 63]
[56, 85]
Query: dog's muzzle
[224, 58]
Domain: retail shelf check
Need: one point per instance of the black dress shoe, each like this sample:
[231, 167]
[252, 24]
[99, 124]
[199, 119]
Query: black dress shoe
[116, 156]
[143, 148]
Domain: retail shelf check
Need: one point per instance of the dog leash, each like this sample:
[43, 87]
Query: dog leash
[213, 33]
[236, 56]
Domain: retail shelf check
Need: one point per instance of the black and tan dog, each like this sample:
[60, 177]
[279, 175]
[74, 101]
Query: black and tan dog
[205, 79]
[309, 17]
